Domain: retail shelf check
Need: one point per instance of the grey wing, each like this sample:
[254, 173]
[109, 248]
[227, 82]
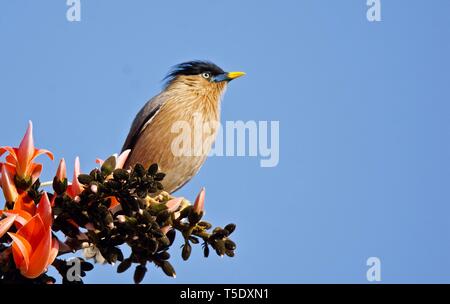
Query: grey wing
[147, 112]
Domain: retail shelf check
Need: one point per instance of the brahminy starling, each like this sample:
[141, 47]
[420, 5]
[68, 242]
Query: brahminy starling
[192, 95]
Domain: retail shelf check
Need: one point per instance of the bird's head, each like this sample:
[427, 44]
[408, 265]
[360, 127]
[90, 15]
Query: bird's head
[201, 77]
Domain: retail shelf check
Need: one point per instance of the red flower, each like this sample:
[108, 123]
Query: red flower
[33, 247]
[21, 159]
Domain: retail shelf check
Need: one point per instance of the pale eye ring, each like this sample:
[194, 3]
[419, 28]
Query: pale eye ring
[206, 75]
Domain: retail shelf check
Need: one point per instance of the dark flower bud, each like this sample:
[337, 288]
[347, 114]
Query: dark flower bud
[159, 176]
[206, 251]
[220, 248]
[165, 242]
[229, 253]
[124, 265]
[186, 252]
[230, 245]
[85, 179]
[86, 266]
[139, 273]
[164, 255]
[168, 269]
[59, 186]
[230, 228]
[220, 233]
[163, 216]
[194, 217]
[152, 169]
[171, 234]
[152, 245]
[205, 225]
[121, 174]
[185, 212]
[139, 170]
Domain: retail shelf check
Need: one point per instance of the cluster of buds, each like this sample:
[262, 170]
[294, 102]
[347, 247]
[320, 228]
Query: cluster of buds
[99, 213]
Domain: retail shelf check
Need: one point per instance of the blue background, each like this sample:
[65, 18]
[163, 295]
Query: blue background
[363, 110]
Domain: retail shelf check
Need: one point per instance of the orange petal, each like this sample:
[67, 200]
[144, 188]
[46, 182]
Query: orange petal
[22, 217]
[25, 203]
[34, 170]
[44, 209]
[33, 231]
[11, 151]
[114, 202]
[39, 257]
[61, 173]
[6, 223]
[11, 168]
[26, 151]
[8, 186]
[38, 152]
[21, 251]
[53, 251]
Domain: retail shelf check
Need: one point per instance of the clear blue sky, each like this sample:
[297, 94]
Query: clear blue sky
[364, 120]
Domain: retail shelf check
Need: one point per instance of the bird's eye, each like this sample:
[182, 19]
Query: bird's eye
[206, 75]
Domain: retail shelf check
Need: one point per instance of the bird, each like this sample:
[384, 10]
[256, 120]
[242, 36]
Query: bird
[192, 93]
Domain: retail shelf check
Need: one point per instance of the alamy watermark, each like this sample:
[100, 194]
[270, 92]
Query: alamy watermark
[73, 13]
[373, 274]
[73, 273]
[374, 10]
[237, 138]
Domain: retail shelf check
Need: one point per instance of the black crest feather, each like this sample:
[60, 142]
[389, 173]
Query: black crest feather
[193, 68]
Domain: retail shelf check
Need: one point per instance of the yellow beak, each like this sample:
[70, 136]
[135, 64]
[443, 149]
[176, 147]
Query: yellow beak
[234, 75]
